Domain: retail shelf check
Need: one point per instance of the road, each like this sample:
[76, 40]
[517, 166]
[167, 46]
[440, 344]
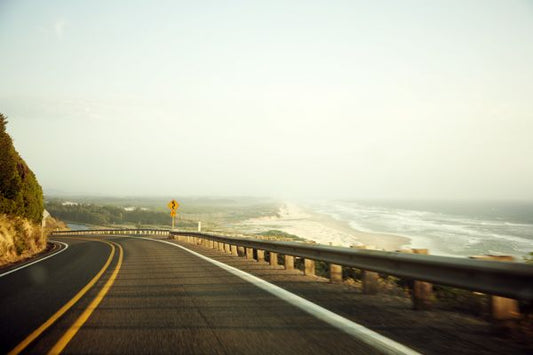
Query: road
[31, 295]
[154, 298]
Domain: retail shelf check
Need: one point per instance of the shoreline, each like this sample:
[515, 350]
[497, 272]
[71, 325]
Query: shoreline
[373, 240]
[322, 229]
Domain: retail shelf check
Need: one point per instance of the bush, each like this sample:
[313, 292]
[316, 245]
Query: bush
[279, 235]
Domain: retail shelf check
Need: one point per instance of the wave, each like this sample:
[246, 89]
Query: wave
[444, 233]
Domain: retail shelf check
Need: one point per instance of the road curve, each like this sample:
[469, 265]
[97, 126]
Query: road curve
[167, 300]
[30, 296]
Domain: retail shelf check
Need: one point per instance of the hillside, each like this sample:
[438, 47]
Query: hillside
[21, 204]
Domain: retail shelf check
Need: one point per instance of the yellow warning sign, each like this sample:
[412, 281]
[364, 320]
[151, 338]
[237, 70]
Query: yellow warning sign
[173, 205]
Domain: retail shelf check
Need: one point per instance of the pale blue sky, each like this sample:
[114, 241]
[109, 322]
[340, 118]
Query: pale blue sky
[388, 99]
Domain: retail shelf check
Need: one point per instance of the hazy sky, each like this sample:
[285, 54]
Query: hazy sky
[385, 99]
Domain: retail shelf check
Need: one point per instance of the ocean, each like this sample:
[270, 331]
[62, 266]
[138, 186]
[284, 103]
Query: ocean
[446, 228]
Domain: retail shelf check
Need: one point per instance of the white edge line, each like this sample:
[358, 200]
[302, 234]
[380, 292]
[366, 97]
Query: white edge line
[375, 340]
[39, 260]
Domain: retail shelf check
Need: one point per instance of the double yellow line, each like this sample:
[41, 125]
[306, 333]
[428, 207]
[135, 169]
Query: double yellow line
[71, 332]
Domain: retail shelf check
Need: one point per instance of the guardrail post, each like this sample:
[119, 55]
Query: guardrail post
[370, 282]
[220, 246]
[234, 250]
[227, 248]
[249, 253]
[422, 291]
[335, 273]
[369, 278]
[273, 259]
[289, 262]
[501, 308]
[309, 267]
[260, 255]
[241, 251]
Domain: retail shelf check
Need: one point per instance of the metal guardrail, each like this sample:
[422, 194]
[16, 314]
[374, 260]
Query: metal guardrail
[507, 279]
[142, 231]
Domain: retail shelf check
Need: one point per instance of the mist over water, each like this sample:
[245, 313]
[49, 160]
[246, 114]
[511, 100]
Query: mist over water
[445, 228]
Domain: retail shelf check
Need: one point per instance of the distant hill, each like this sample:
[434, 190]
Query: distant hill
[21, 204]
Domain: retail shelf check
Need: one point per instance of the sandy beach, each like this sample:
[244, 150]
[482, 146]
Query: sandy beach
[322, 229]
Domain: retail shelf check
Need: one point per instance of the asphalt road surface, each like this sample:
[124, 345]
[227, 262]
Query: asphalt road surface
[153, 298]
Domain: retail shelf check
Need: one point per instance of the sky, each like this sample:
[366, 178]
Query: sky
[328, 99]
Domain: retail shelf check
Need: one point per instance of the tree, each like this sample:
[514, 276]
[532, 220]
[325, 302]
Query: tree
[20, 193]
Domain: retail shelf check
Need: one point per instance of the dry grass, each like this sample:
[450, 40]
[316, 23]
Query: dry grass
[19, 239]
[52, 224]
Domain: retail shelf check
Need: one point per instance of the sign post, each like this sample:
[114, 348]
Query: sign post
[173, 206]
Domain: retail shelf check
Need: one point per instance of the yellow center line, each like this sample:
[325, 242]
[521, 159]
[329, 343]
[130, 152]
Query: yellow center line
[30, 338]
[71, 332]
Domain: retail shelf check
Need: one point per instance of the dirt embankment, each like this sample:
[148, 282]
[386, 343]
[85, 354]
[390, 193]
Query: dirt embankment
[20, 239]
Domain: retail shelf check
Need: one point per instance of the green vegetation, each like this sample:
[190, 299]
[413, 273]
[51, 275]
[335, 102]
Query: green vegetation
[21, 204]
[217, 210]
[226, 212]
[276, 234]
[110, 215]
[20, 193]
[216, 214]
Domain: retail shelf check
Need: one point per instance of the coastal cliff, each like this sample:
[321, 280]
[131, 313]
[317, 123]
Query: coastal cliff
[21, 204]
